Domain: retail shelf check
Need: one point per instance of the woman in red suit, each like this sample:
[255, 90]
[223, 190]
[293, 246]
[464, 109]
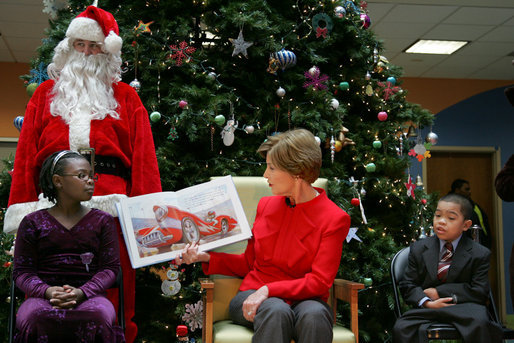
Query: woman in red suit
[292, 259]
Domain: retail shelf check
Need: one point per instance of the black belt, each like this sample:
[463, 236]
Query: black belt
[105, 164]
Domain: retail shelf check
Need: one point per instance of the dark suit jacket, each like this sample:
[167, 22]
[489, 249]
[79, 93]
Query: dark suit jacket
[467, 277]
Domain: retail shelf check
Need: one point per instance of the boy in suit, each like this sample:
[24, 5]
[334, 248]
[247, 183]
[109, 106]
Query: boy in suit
[446, 279]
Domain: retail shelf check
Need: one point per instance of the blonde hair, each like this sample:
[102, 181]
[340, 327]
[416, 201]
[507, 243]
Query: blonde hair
[296, 152]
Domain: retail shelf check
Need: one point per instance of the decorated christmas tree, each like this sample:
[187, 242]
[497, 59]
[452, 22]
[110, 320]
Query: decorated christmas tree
[217, 77]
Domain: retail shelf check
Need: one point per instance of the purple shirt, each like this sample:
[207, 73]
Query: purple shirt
[47, 254]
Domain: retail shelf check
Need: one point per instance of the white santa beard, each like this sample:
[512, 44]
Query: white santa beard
[83, 93]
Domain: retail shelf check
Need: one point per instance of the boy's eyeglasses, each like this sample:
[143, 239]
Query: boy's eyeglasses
[83, 176]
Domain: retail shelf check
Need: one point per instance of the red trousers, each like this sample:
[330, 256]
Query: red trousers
[129, 289]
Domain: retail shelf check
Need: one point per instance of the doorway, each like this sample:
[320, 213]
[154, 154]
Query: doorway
[479, 166]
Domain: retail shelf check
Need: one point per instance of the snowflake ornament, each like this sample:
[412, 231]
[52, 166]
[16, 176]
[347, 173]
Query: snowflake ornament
[315, 80]
[181, 52]
[388, 89]
[39, 75]
[194, 315]
[51, 7]
[240, 45]
[421, 151]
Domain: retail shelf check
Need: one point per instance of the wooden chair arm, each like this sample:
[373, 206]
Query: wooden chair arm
[207, 286]
[348, 291]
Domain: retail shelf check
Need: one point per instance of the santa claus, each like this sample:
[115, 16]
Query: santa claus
[84, 107]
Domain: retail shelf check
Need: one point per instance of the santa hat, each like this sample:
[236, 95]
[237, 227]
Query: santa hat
[96, 25]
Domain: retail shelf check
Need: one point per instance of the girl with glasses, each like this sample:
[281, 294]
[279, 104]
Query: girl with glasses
[65, 258]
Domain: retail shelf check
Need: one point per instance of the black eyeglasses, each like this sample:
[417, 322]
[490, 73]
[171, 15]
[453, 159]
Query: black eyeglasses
[83, 176]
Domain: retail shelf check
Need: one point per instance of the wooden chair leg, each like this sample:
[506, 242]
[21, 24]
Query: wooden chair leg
[208, 288]
[349, 291]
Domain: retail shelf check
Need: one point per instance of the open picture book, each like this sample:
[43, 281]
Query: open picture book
[158, 226]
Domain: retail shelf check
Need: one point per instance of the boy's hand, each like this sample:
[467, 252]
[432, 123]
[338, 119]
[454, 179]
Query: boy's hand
[431, 293]
[441, 302]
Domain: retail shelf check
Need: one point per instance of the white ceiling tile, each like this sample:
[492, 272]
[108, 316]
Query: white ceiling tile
[28, 14]
[414, 65]
[480, 16]
[394, 45]
[499, 70]
[18, 29]
[401, 30]
[471, 61]
[377, 11]
[5, 56]
[500, 34]
[486, 48]
[458, 32]
[24, 44]
[418, 13]
[24, 55]
[509, 22]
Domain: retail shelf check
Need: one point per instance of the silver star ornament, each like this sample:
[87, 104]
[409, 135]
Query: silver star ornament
[240, 45]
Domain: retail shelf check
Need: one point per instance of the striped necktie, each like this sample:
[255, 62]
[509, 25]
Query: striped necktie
[444, 263]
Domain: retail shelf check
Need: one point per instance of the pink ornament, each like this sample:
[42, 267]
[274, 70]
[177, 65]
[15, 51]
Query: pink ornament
[382, 116]
[182, 104]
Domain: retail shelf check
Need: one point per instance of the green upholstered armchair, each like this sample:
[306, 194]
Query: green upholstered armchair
[219, 290]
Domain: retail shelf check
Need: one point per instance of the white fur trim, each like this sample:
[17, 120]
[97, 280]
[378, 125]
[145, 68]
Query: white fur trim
[85, 28]
[113, 43]
[15, 213]
[79, 129]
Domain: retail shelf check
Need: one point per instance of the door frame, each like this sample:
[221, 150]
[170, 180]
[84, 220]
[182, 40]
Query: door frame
[495, 153]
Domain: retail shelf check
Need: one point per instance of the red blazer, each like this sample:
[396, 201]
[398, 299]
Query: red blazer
[294, 251]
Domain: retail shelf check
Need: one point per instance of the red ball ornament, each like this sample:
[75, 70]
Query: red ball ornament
[182, 104]
[355, 202]
[382, 116]
[424, 201]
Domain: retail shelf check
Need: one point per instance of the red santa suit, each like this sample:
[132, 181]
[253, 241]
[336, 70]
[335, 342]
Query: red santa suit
[127, 141]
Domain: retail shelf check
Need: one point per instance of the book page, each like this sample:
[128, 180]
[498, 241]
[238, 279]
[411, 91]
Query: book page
[157, 226]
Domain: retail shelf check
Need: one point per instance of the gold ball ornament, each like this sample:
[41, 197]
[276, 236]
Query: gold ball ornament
[31, 88]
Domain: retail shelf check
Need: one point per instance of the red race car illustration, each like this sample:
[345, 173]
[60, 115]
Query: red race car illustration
[176, 225]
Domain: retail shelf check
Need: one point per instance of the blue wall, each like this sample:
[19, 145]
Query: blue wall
[486, 119]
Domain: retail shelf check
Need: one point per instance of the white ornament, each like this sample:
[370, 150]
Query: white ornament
[281, 92]
[170, 287]
[420, 149]
[240, 45]
[227, 134]
[249, 129]
[432, 138]
[314, 71]
[334, 104]
[172, 274]
[339, 12]
[135, 84]
[318, 140]
[212, 75]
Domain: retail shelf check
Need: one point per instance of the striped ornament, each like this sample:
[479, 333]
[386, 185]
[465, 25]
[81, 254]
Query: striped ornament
[18, 122]
[285, 58]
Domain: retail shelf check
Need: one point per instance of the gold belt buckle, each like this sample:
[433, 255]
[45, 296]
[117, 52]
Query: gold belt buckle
[89, 153]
